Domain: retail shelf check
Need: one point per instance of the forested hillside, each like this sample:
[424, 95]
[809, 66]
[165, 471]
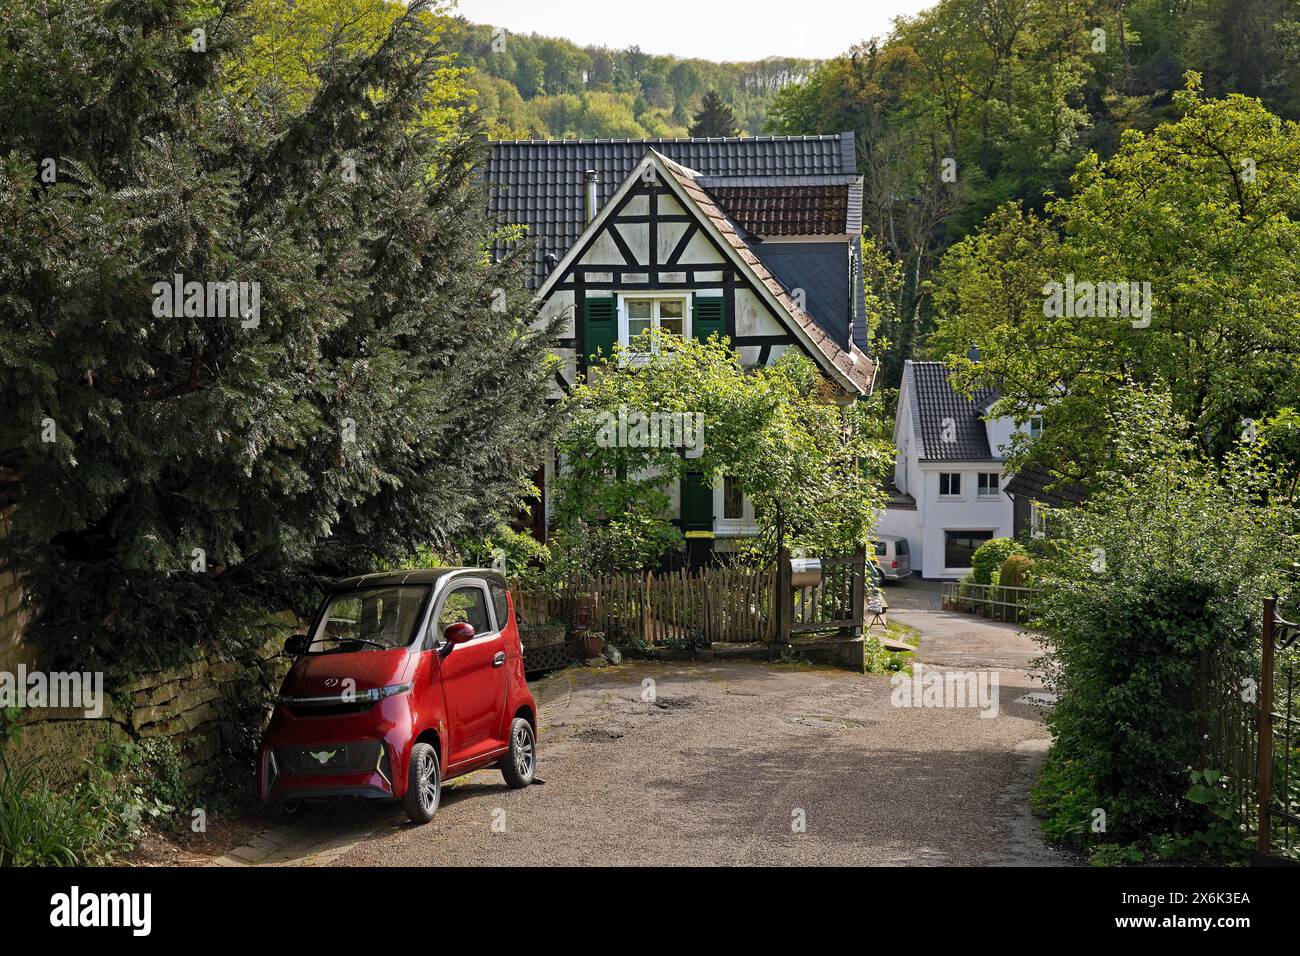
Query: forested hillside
[974, 103]
[542, 87]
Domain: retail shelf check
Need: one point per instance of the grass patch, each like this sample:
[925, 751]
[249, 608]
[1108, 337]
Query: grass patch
[877, 659]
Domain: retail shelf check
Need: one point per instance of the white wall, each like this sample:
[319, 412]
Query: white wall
[970, 512]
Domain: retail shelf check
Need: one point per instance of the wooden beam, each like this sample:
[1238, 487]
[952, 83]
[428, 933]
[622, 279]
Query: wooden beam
[689, 233]
[624, 249]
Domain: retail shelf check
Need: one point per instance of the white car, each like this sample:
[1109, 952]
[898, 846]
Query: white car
[893, 558]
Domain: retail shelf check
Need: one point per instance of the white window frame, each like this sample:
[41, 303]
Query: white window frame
[1037, 520]
[995, 493]
[747, 524]
[1034, 427]
[624, 297]
[950, 496]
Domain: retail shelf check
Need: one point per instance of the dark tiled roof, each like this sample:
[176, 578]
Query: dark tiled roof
[898, 500]
[949, 424]
[852, 363]
[786, 210]
[1042, 485]
[540, 182]
[821, 270]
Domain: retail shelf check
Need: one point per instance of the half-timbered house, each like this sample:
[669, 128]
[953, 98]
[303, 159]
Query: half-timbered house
[756, 239]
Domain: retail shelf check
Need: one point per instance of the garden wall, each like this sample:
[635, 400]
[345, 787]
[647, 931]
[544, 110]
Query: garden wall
[13, 616]
[209, 706]
[204, 707]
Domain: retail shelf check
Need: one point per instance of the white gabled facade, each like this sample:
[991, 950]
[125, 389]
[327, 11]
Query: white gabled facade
[661, 251]
[950, 465]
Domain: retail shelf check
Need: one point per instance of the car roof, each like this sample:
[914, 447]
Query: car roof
[413, 576]
[890, 537]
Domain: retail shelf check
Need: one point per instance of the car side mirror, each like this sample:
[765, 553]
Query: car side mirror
[458, 633]
[297, 644]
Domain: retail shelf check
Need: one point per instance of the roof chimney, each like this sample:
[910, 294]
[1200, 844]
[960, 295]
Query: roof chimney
[589, 183]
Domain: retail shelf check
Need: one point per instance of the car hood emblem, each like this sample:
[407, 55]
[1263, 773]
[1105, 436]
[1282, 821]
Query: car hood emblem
[331, 682]
[323, 756]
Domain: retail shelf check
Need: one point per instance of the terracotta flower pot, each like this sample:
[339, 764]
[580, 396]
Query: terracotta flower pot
[592, 642]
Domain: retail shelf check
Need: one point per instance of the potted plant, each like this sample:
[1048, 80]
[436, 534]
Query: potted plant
[591, 642]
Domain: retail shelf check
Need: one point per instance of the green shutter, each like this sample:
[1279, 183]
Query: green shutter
[599, 326]
[709, 317]
[697, 502]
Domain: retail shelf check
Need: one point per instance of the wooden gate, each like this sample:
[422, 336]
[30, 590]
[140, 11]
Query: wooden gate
[836, 603]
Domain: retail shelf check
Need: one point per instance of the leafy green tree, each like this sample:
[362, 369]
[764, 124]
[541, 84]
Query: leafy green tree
[714, 117]
[378, 385]
[776, 430]
[1171, 558]
[1203, 211]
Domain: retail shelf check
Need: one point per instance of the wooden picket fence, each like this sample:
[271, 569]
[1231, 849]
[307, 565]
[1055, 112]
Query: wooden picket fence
[684, 609]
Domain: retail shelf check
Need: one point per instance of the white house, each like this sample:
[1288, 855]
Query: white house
[948, 496]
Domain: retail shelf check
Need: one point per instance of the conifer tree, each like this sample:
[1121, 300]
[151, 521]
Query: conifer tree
[240, 343]
[714, 118]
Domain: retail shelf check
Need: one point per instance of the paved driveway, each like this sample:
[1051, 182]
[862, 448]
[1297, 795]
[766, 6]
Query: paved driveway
[736, 763]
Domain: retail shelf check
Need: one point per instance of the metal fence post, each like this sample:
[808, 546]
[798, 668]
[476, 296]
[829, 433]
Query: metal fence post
[1265, 843]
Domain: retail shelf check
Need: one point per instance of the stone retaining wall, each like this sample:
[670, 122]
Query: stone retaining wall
[13, 615]
[203, 707]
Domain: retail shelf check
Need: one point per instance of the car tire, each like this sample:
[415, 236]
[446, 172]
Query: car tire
[423, 784]
[520, 763]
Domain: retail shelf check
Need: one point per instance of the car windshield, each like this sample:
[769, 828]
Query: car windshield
[369, 619]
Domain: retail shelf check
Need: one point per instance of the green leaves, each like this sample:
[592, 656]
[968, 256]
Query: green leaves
[1189, 549]
[772, 429]
[1205, 211]
[387, 399]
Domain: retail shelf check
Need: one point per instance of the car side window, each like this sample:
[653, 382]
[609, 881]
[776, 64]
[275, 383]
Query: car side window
[500, 605]
[465, 603]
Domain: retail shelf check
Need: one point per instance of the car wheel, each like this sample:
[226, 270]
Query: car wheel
[521, 762]
[423, 784]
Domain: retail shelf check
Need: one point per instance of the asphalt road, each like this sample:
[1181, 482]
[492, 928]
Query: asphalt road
[740, 763]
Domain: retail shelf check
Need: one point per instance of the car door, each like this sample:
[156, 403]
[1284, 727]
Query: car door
[473, 673]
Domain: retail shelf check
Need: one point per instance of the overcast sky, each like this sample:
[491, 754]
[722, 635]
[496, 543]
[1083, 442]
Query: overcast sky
[710, 29]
